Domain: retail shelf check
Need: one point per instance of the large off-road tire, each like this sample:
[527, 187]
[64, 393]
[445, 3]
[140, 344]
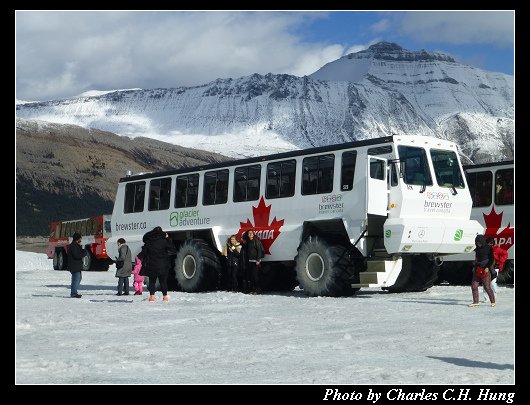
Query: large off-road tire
[418, 273]
[323, 268]
[506, 275]
[62, 259]
[456, 273]
[87, 260]
[198, 267]
[55, 260]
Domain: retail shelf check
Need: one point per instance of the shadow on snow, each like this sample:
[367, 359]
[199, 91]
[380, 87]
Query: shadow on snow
[473, 363]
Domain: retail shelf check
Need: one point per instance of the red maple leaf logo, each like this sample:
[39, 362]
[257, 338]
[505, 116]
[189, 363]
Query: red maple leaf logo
[266, 233]
[505, 239]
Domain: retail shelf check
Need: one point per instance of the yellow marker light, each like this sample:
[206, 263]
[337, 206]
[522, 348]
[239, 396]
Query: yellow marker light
[392, 205]
[406, 248]
[468, 249]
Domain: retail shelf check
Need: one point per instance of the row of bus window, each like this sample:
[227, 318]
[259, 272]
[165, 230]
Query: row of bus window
[317, 178]
[84, 227]
[483, 188]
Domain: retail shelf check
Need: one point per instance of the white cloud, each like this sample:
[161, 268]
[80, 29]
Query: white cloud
[156, 49]
[455, 27]
[381, 26]
[313, 60]
[361, 47]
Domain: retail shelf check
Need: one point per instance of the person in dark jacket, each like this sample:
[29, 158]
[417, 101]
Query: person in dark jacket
[232, 251]
[254, 252]
[75, 263]
[123, 267]
[481, 270]
[158, 249]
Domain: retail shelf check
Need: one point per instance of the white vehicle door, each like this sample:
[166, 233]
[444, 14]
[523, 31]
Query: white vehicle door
[376, 186]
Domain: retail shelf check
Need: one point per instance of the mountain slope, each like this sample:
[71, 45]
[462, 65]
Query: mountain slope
[68, 172]
[380, 91]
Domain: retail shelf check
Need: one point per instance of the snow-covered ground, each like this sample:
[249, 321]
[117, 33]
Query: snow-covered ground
[227, 338]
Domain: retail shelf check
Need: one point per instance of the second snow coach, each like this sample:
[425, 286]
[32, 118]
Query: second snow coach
[95, 231]
[375, 213]
[492, 190]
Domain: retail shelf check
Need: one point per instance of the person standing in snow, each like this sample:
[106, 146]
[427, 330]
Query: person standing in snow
[75, 263]
[481, 270]
[123, 267]
[499, 257]
[139, 279]
[254, 252]
[159, 247]
[232, 252]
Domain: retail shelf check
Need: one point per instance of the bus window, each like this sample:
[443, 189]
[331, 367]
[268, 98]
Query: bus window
[108, 228]
[281, 179]
[187, 191]
[246, 183]
[159, 192]
[377, 169]
[348, 170]
[480, 184]
[193, 190]
[82, 228]
[215, 187]
[134, 197]
[504, 187]
[93, 227]
[380, 150]
[415, 166]
[318, 174]
[446, 168]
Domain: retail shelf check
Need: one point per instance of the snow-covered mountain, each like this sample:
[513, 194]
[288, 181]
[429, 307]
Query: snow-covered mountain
[376, 92]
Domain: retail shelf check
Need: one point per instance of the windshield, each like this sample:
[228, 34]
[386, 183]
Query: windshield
[414, 166]
[446, 169]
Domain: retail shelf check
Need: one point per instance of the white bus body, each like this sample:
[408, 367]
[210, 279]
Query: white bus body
[492, 190]
[368, 213]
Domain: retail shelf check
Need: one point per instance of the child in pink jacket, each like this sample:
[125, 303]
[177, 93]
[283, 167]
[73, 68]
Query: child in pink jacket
[138, 279]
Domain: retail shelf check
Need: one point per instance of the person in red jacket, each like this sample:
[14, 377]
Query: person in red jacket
[500, 256]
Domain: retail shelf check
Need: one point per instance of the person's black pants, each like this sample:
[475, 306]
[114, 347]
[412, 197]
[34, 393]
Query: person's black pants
[162, 278]
[253, 272]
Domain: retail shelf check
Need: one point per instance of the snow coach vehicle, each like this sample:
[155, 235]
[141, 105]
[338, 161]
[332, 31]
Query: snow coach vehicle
[374, 213]
[95, 230]
[492, 190]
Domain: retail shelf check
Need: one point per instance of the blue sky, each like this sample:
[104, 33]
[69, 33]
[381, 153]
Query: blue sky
[61, 54]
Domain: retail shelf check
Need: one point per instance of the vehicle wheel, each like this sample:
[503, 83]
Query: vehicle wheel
[418, 273]
[55, 260]
[62, 260]
[324, 269]
[198, 268]
[87, 260]
[456, 273]
[506, 275]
